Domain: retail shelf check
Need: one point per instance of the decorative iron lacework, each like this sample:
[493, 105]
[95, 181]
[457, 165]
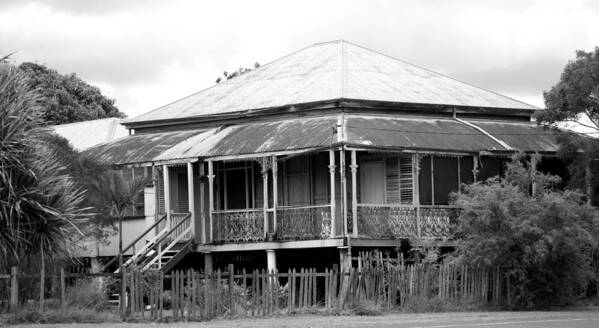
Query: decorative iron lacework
[438, 222]
[387, 222]
[238, 226]
[303, 223]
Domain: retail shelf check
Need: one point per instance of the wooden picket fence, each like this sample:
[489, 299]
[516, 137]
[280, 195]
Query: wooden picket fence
[191, 295]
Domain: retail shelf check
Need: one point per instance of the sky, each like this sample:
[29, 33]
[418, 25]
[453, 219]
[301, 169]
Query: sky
[147, 53]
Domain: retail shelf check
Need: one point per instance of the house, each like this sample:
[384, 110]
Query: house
[322, 153]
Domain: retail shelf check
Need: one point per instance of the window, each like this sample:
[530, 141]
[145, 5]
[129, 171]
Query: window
[386, 179]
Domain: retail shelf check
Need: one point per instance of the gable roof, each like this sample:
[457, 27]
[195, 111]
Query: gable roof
[329, 71]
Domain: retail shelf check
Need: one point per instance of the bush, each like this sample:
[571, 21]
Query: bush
[89, 294]
[543, 238]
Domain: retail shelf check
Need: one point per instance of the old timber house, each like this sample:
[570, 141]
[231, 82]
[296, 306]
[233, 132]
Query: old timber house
[327, 151]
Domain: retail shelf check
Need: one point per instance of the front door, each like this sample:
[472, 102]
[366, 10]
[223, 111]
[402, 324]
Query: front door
[372, 183]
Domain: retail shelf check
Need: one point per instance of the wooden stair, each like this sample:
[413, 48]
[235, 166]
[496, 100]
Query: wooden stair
[165, 248]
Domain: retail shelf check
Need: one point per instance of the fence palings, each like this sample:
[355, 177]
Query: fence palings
[192, 295]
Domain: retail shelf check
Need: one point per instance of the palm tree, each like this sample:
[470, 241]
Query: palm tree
[38, 202]
[118, 196]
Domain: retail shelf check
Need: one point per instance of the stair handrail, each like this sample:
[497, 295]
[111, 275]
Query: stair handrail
[167, 248]
[169, 232]
[132, 244]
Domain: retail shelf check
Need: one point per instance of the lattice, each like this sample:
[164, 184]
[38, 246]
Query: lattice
[303, 223]
[238, 226]
[437, 222]
[386, 222]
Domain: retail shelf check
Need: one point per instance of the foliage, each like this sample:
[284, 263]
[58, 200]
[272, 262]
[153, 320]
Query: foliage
[240, 71]
[577, 92]
[38, 201]
[67, 98]
[542, 236]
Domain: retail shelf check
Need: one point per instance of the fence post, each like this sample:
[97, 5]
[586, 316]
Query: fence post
[62, 289]
[14, 288]
[231, 300]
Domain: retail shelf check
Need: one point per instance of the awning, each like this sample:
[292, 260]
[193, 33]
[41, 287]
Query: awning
[137, 148]
[414, 133]
[447, 134]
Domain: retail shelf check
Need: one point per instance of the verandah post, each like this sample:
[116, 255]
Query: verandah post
[332, 178]
[343, 189]
[416, 190]
[191, 198]
[354, 193]
[210, 200]
[202, 233]
[167, 195]
[265, 193]
[275, 194]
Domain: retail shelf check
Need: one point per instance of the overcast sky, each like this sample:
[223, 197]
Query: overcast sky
[146, 53]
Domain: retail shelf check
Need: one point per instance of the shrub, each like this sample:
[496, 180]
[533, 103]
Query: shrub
[543, 238]
[90, 294]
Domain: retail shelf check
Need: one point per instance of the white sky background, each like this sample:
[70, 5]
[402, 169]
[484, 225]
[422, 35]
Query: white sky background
[145, 54]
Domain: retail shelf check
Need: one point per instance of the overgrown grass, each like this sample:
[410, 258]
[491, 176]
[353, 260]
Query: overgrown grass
[86, 302]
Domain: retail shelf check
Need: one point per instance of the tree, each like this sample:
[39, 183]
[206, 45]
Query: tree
[576, 94]
[67, 98]
[39, 204]
[543, 237]
[240, 71]
[117, 196]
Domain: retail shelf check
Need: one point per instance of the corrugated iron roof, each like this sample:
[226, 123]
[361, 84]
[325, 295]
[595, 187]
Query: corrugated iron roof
[416, 133]
[370, 131]
[328, 71]
[521, 136]
[86, 134]
[446, 134]
[138, 148]
[256, 138]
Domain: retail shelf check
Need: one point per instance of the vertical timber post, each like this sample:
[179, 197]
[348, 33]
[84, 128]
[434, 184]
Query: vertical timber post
[14, 288]
[191, 198]
[210, 200]
[167, 195]
[332, 178]
[354, 193]
[275, 193]
[416, 191]
[343, 190]
[265, 193]
[202, 208]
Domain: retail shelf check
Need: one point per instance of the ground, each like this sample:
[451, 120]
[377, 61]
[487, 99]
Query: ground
[577, 319]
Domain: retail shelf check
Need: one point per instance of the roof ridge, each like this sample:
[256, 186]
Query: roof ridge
[437, 73]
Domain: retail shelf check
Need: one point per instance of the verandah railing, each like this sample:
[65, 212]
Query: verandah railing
[376, 221]
[246, 225]
[303, 222]
[395, 221]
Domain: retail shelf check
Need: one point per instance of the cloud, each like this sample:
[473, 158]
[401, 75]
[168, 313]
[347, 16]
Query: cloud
[148, 53]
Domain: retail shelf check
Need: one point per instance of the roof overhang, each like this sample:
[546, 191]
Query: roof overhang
[423, 134]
